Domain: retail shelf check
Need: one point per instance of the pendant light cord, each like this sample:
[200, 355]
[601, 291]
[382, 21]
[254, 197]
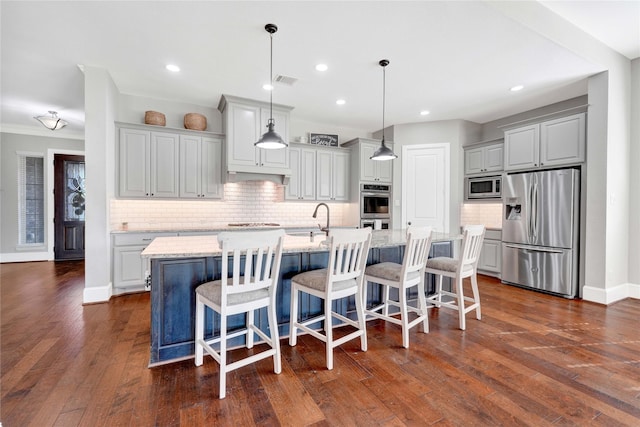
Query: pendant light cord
[384, 91]
[271, 79]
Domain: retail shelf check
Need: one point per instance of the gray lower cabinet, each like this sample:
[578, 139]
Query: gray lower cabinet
[490, 262]
[130, 270]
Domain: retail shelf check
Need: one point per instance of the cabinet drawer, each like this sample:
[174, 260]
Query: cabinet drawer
[492, 234]
[137, 239]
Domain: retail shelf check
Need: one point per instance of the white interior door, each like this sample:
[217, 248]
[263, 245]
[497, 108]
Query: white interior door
[425, 186]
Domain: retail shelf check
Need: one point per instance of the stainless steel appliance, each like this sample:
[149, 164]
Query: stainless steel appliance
[540, 230]
[375, 201]
[486, 187]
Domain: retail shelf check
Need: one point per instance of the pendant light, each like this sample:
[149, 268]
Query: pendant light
[384, 152]
[52, 122]
[271, 140]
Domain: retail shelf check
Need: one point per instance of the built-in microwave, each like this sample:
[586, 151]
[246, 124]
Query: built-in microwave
[486, 187]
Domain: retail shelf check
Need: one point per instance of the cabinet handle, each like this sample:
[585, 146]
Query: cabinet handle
[147, 194]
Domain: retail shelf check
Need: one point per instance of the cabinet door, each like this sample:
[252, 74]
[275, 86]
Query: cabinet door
[275, 158]
[190, 166]
[324, 179]
[308, 174]
[133, 163]
[164, 164]
[494, 158]
[211, 173]
[384, 170]
[521, 148]
[491, 256]
[243, 130]
[473, 160]
[562, 141]
[292, 190]
[128, 266]
[367, 166]
[340, 175]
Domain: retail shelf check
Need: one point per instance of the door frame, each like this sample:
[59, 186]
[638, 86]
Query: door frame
[51, 152]
[446, 147]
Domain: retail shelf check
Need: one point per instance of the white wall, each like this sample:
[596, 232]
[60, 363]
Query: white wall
[131, 109]
[101, 99]
[634, 178]
[11, 144]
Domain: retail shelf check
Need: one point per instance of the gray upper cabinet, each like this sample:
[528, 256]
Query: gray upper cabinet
[244, 121]
[550, 143]
[168, 164]
[302, 185]
[148, 164]
[370, 170]
[332, 174]
[484, 159]
[200, 167]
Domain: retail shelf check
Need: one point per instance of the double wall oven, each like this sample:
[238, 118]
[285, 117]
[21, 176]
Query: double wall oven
[375, 206]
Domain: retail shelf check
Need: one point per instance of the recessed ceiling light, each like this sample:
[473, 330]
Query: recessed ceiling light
[322, 67]
[424, 113]
[517, 88]
[173, 68]
[341, 102]
[267, 86]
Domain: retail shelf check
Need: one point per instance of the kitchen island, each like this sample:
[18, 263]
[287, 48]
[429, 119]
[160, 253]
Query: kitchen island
[179, 264]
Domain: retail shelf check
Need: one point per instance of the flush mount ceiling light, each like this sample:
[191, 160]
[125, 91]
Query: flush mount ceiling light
[271, 140]
[341, 102]
[322, 67]
[173, 68]
[383, 152]
[52, 122]
[424, 113]
[516, 88]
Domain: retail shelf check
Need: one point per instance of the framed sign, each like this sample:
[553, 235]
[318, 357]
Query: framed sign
[323, 139]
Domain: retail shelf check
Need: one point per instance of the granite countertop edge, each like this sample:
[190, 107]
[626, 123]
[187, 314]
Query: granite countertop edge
[202, 246]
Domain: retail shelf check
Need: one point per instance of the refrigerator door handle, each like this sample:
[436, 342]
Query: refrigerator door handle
[534, 212]
[534, 248]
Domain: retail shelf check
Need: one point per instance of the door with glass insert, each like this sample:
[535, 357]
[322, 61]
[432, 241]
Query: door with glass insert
[69, 192]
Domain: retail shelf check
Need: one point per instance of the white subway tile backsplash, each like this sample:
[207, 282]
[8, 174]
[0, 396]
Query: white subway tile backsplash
[250, 201]
[489, 214]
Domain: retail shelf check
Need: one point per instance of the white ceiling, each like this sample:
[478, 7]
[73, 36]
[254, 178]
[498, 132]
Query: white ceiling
[457, 59]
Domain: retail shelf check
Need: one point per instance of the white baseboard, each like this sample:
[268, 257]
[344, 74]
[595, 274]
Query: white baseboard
[96, 294]
[610, 295]
[634, 290]
[25, 257]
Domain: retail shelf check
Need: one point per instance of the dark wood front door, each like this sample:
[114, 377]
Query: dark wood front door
[69, 195]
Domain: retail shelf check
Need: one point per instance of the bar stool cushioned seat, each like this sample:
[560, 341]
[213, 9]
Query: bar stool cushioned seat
[349, 249]
[459, 268]
[255, 259]
[402, 277]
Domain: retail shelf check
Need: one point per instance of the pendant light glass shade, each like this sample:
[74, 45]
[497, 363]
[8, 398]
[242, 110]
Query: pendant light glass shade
[271, 140]
[52, 122]
[383, 152]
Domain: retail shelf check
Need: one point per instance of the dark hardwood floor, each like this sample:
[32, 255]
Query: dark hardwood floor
[533, 360]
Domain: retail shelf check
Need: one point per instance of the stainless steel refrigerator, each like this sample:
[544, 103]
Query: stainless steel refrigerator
[540, 230]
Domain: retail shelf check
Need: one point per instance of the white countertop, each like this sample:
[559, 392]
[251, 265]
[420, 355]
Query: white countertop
[200, 246]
